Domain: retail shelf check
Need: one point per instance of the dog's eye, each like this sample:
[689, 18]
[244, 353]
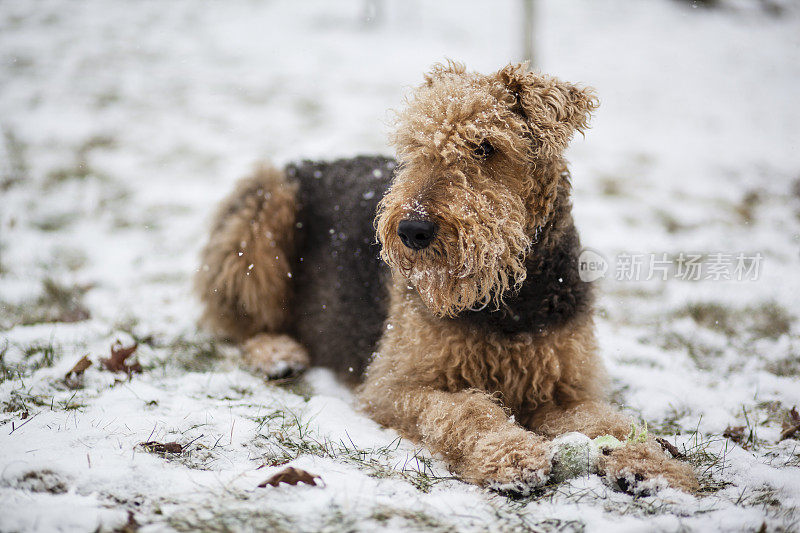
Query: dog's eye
[484, 150]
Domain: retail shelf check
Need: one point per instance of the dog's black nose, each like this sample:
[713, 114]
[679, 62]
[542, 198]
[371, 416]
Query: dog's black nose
[416, 234]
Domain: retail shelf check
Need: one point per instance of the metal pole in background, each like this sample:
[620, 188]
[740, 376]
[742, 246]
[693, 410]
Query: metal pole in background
[528, 32]
[372, 13]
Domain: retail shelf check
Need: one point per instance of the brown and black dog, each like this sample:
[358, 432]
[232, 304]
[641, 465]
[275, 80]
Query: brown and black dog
[479, 337]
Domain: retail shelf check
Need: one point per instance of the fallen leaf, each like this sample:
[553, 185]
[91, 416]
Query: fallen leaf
[791, 424]
[74, 378]
[79, 368]
[291, 476]
[119, 354]
[673, 451]
[735, 433]
[161, 447]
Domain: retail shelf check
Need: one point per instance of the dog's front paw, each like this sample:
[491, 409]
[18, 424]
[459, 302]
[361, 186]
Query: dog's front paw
[643, 469]
[516, 465]
[275, 356]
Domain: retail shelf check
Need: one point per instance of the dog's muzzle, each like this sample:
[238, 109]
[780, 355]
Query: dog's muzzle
[416, 234]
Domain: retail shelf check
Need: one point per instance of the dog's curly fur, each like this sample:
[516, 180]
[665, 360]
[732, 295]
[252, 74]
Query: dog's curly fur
[488, 347]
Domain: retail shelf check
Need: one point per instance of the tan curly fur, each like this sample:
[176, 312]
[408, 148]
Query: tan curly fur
[486, 399]
[244, 276]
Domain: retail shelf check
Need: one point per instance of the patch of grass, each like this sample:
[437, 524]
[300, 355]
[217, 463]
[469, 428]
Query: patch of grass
[55, 222]
[769, 320]
[60, 303]
[194, 354]
[288, 438]
[35, 356]
[701, 353]
[39, 355]
[3, 268]
[407, 519]
[788, 366]
[739, 328]
[750, 440]
[232, 518]
[710, 315]
[21, 400]
[80, 169]
[178, 446]
[765, 320]
[6, 370]
[250, 514]
[130, 326]
[745, 209]
[70, 404]
[513, 515]
[16, 168]
[767, 498]
[669, 424]
[706, 462]
[611, 186]
[106, 98]
[42, 481]
[702, 3]
[773, 411]
[308, 108]
[295, 385]
[56, 303]
[671, 223]
[72, 259]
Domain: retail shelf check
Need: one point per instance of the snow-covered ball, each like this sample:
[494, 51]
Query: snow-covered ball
[572, 455]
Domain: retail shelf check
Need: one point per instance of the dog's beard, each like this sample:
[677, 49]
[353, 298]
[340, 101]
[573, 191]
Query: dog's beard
[477, 257]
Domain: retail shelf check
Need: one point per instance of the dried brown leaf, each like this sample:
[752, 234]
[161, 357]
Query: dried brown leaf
[161, 447]
[291, 476]
[791, 424]
[673, 451]
[119, 354]
[79, 368]
[735, 433]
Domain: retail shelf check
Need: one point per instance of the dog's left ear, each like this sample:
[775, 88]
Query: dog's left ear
[553, 109]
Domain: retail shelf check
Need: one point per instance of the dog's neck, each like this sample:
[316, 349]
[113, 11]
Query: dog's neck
[552, 294]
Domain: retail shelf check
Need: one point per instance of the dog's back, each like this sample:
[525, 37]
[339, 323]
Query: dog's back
[339, 279]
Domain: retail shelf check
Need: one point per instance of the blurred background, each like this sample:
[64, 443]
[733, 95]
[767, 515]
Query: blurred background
[123, 123]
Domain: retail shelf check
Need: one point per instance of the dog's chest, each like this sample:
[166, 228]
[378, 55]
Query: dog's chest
[520, 369]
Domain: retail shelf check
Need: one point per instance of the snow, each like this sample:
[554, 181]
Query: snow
[124, 123]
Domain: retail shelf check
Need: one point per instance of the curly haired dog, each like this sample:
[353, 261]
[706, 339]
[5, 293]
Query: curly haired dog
[481, 331]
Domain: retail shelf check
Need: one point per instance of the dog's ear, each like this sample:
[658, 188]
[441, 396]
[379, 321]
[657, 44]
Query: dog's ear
[553, 109]
[439, 69]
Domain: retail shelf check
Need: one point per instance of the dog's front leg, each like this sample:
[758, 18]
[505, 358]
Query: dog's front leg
[473, 433]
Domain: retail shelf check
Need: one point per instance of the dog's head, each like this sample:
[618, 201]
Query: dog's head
[475, 182]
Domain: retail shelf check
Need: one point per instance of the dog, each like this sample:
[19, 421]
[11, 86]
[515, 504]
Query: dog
[465, 324]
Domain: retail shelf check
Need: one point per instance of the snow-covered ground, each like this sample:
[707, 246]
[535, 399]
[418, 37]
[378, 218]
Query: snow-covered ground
[124, 122]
